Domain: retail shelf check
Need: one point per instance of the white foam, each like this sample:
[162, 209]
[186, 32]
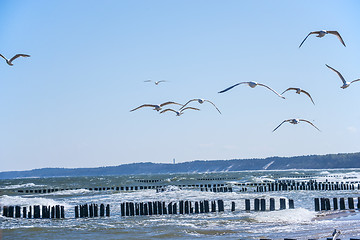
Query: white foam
[298, 215]
[25, 185]
[6, 200]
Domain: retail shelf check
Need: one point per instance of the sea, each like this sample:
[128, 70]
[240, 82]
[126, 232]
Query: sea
[302, 222]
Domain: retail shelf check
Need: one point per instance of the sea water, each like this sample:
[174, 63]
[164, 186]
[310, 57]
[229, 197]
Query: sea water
[299, 223]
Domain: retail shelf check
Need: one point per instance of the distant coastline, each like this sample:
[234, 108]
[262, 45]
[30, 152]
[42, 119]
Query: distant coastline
[329, 161]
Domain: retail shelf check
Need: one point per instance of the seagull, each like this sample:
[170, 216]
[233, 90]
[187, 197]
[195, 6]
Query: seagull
[178, 113]
[335, 234]
[156, 107]
[201, 101]
[9, 62]
[295, 121]
[322, 33]
[156, 82]
[252, 85]
[345, 83]
[298, 91]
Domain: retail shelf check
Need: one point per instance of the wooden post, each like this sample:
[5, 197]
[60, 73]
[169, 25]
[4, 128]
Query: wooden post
[159, 207]
[220, 205]
[17, 211]
[213, 206]
[44, 211]
[327, 204]
[174, 208]
[196, 207]
[91, 210]
[62, 211]
[30, 212]
[201, 207]
[181, 207]
[170, 210]
[358, 203]
[146, 212]
[191, 208]
[5, 211]
[132, 209]
[335, 203]
[102, 210]
[164, 208]
[122, 209]
[36, 211]
[155, 211]
[322, 204]
[127, 209]
[232, 206]
[206, 206]
[262, 205]
[76, 211]
[317, 204]
[108, 210]
[187, 207]
[57, 207]
[256, 204]
[247, 204]
[342, 204]
[150, 205]
[282, 203]
[272, 204]
[291, 204]
[24, 212]
[351, 202]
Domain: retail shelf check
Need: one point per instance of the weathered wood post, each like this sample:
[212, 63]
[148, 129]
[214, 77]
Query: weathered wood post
[220, 205]
[174, 208]
[62, 211]
[127, 209]
[196, 207]
[108, 210]
[317, 204]
[57, 207]
[201, 207]
[206, 206]
[213, 206]
[137, 209]
[322, 204]
[342, 204]
[187, 207]
[122, 209]
[96, 210]
[164, 208]
[262, 204]
[335, 203]
[44, 211]
[247, 204]
[272, 204]
[150, 208]
[30, 212]
[85, 211]
[170, 210]
[159, 207]
[36, 211]
[24, 212]
[181, 207]
[5, 211]
[256, 204]
[358, 203]
[282, 203]
[232, 206]
[132, 210]
[146, 211]
[155, 211]
[191, 207]
[102, 210]
[76, 211]
[91, 210]
[17, 211]
[351, 202]
[327, 204]
[291, 204]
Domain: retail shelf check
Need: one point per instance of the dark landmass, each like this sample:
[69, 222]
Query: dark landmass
[330, 161]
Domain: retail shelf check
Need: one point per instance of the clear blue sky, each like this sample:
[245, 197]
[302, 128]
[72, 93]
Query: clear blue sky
[68, 105]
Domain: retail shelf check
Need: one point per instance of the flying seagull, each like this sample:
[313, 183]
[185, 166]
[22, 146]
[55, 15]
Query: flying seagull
[156, 107]
[156, 82]
[296, 121]
[252, 85]
[9, 62]
[201, 101]
[322, 33]
[178, 113]
[345, 83]
[298, 91]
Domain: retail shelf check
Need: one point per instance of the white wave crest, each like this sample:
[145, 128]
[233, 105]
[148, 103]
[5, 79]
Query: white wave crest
[298, 215]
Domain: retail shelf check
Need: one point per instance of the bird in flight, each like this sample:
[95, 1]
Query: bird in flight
[9, 62]
[335, 234]
[345, 83]
[298, 91]
[201, 101]
[296, 121]
[155, 106]
[322, 33]
[178, 113]
[252, 85]
[156, 82]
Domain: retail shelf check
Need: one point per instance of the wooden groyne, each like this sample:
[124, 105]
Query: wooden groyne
[35, 211]
[260, 204]
[326, 204]
[92, 210]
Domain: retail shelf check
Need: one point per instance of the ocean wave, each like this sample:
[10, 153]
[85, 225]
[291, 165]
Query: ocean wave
[298, 215]
[25, 185]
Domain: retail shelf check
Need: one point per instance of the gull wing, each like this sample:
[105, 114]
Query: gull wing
[147, 81]
[288, 90]
[338, 36]
[188, 103]
[145, 105]
[338, 73]
[161, 81]
[309, 123]
[227, 89]
[281, 124]
[308, 94]
[3, 57]
[355, 80]
[18, 55]
[316, 32]
[168, 109]
[260, 84]
[190, 108]
[167, 103]
[213, 105]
